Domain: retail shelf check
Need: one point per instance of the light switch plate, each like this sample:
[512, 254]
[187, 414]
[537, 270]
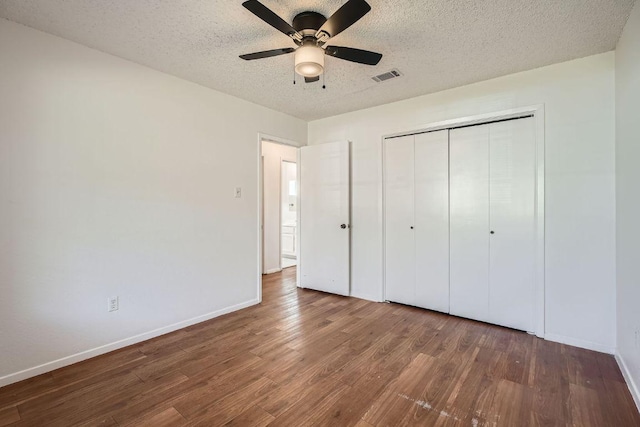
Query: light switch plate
[113, 304]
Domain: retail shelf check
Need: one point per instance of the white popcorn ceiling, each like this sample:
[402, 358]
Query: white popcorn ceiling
[436, 44]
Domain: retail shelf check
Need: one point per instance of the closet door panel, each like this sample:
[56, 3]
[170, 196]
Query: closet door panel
[512, 218]
[432, 220]
[469, 217]
[399, 211]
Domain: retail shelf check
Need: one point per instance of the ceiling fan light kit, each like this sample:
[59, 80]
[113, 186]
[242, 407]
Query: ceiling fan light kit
[310, 32]
[309, 61]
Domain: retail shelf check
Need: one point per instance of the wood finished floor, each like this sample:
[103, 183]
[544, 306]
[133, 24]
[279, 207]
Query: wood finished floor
[308, 358]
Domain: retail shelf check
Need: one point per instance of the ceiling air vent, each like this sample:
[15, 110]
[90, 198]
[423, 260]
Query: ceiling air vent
[387, 76]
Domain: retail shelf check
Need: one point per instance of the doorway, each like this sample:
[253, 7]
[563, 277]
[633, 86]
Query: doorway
[279, 216]
[288, 214]
[321, 202]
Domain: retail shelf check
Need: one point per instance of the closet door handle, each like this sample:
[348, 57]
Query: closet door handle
[493, 232]
[343, 226]
[412, 227]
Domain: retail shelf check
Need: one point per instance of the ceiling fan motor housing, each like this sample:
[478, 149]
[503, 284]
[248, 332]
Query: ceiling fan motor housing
[308, 21]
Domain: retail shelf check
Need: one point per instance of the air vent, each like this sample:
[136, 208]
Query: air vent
[387, 76]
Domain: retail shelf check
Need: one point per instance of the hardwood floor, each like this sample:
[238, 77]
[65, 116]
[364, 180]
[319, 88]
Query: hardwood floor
[308, 358]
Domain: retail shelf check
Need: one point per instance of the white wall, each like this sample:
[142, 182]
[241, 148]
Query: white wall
[273, 155]
[118, 180]
[580, 184]
[628, 199]
[289, 173]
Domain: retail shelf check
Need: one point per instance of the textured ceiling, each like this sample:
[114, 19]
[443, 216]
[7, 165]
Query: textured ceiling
[436, 44]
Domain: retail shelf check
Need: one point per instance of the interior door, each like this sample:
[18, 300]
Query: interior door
[432, 220]
[324, 262]
[469, 222]
[399, 220]
[512, 223]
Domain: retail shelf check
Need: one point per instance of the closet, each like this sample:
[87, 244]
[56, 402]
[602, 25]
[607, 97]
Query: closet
[460, 221]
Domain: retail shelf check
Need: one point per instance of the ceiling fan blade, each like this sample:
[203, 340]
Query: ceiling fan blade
[264, 13]
[354, 55]
[346, 16]
[311, 79]
[267, 53]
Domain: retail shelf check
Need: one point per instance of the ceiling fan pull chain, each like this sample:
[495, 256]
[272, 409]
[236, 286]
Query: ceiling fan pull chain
[294, 76]
[323, 76]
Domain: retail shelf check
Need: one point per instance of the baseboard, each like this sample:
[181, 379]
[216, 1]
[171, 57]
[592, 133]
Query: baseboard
[87, 354]
[373, 298]
[273, 270]
[579, 343]
[633, 387]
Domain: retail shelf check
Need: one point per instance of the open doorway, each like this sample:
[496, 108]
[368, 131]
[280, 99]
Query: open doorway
[288, 214]
[279, 206]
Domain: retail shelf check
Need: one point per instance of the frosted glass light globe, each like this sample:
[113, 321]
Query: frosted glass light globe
[309, 61]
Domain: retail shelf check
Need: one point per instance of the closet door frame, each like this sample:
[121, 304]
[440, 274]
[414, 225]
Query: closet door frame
[537, 111]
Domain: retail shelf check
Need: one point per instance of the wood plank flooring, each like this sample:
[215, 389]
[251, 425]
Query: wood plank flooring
[307, 358]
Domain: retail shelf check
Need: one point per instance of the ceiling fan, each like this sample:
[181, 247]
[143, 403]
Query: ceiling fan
[311, 31]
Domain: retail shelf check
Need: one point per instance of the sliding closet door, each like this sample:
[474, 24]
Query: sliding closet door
[399, 220]
[469, 216]
[432, 220]
[512, 220]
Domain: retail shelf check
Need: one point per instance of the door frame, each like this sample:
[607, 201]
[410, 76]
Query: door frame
[537, 111]
[260, 183]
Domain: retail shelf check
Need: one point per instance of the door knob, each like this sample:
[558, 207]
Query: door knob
[493, 232]
[412, 227]
[343, 226]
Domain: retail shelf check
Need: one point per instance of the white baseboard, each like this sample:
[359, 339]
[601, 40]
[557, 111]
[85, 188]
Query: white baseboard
[273, 270]
[373, 298]
[87, 354]
[579, 343]
[633, 387]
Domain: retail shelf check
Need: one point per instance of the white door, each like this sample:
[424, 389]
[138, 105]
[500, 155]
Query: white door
[493, 223]
[469, 216]
[432, 220]
[324, 217]
[512, 186]
[399, 220]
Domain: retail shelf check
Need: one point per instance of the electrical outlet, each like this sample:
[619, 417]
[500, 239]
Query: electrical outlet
[113, 304]
[238, 192]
